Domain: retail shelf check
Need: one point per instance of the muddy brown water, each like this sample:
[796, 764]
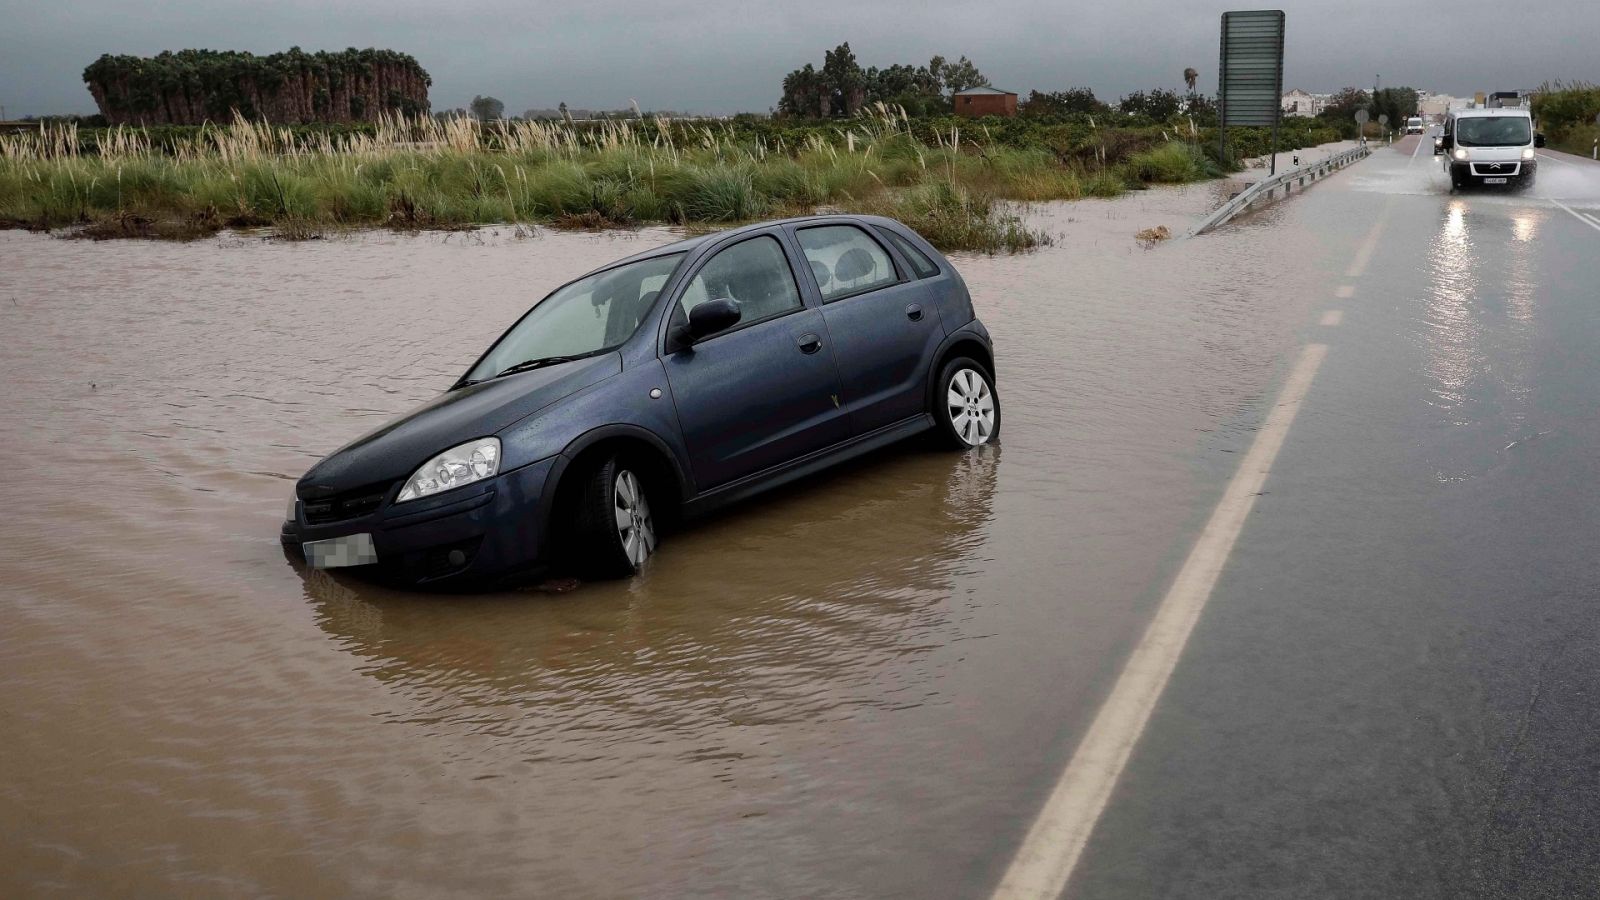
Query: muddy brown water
[856, 686]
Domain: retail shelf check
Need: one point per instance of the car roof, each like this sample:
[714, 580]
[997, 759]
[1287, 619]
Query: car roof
[1491, 111]
[689, 244]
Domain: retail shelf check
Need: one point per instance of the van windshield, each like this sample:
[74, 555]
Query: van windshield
[1493, 131]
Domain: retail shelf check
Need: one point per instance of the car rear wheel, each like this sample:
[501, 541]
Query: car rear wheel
[966, 405]
[616, 532]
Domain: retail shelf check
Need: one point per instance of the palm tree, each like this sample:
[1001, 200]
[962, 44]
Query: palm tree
[1190, 76]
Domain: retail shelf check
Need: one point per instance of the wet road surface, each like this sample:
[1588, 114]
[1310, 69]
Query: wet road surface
[1393, 690]
[864, 685]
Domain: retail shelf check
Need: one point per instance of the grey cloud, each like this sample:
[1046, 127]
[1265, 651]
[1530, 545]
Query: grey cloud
[724, 56]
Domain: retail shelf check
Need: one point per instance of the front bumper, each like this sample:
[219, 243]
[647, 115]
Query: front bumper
[471, 534]
[1513, 170]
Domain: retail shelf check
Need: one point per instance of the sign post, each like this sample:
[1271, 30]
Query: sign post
[1361, 126]
[1250, 84]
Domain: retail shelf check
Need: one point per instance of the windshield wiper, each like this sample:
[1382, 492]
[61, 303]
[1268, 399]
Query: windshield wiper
[527, 364]
[540, 363]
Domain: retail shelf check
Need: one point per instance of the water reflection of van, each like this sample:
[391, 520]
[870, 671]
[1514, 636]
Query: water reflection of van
[1490, 146]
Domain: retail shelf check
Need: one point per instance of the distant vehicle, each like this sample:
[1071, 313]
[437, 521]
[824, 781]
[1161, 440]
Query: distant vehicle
[1438, 145]
[1490, 146]
[1414, 125]
[677, 379]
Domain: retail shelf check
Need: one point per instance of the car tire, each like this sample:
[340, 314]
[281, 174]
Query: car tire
[966, 406]
[616, 529]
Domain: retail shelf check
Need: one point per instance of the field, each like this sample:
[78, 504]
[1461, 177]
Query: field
[946, 179]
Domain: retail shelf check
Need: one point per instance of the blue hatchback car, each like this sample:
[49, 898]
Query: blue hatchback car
[664, 384]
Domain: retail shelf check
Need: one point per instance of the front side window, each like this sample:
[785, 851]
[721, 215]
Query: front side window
[754, 273]
[1493, 131]
[845, 260]
[587, 317]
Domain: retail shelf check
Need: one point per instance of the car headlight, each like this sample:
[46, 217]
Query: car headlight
[1527, 153]
[1461, 153]
[294, 501]
[460, 465]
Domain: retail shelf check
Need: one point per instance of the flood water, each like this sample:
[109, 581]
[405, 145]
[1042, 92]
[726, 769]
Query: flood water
[857, 686]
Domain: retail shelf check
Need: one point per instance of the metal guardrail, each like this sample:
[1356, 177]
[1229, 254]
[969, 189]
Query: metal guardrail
[1263, 191]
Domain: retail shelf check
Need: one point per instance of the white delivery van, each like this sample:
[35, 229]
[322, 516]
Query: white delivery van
[1490, 146]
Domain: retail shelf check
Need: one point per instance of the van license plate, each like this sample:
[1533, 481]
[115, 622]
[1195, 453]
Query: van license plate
[1494, 181]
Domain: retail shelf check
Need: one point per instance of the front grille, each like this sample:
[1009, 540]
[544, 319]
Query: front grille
[348, 505]
[1496, 169]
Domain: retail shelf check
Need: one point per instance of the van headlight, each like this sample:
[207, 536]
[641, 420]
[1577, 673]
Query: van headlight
[1527, 153]
[458, 466]
[1461, 153]
[294, 502]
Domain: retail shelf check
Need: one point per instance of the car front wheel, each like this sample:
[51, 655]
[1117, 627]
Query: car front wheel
[967, 407]
[616, 528]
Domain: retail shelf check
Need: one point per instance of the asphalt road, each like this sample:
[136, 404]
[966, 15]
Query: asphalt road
[1393, 690]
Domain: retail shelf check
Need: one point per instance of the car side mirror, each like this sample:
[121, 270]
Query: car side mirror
[1446, 141]
[1538, 140]
[712, 316]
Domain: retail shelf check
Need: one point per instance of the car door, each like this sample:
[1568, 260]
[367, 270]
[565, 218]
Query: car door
[883, 327]
[765, 391]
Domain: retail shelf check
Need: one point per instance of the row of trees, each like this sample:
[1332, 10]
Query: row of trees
[193, 86]
[1398, 103]
[842, 87]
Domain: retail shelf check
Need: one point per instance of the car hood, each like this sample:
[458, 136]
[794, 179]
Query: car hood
[397, 449]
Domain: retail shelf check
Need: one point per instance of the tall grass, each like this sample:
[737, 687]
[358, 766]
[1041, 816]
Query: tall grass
[426, 173]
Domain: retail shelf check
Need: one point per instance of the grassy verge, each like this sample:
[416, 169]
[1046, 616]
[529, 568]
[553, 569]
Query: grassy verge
[419, 173]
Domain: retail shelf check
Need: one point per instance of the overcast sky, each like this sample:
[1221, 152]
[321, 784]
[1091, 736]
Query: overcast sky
[721, 56]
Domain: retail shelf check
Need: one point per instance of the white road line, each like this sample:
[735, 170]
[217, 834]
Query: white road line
[1333, 317]
[1049, 853]
[1577, 215]
[1345, 291]
[1358, 264]
[1592, 217]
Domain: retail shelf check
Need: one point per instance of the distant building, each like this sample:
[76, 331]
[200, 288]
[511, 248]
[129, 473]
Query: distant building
[1302, 103]
[1434, 106]
[985, 101]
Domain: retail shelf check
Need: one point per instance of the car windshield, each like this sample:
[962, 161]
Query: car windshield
[588, 316]
[1493, 131]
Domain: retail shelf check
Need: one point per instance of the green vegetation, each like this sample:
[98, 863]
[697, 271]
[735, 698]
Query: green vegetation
[1566, 115]
[841, 88]
[194, 86]
[948, 178]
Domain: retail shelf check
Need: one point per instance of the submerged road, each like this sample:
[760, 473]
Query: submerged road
[1392, 690]
[1280, 583]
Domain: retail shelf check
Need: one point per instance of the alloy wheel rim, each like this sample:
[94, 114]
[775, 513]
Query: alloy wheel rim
[970, 405]
[634, 526]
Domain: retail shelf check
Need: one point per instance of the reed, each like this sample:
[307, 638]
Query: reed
[418, 172]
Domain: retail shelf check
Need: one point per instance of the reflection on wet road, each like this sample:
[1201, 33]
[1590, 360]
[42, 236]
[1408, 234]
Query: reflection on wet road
[861, 685]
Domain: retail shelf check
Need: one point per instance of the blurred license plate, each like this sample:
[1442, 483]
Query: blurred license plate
[333, 553]
[1494, 181]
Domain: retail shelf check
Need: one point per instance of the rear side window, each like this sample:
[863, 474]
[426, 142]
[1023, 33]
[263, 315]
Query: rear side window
[846, 260]
[919, 261]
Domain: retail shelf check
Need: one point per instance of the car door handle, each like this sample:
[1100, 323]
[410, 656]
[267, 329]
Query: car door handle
[914, 312]
[809, 343]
